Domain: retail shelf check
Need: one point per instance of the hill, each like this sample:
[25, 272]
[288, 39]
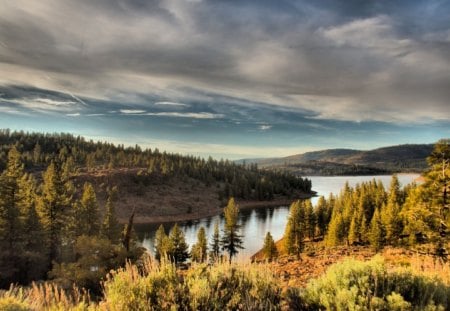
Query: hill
[392, 159]
[160, 186]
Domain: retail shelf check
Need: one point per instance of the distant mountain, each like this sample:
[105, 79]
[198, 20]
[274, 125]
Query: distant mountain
[401, 158]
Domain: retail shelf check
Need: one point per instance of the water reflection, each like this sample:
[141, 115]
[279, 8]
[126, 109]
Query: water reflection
[257, 222]
[254, 224]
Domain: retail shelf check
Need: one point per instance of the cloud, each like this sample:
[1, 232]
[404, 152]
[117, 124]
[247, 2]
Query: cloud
[132, 111]
[170, 104]
[341, 60]
[193, 115]
[73, 114]
[265, 127]
[95, 114]
[42, 104]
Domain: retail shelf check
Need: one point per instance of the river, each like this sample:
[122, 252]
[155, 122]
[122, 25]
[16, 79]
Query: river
[255, 223]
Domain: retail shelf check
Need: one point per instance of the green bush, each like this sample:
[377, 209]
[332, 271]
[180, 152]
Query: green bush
[11, 303]
[232, 287]
[203, 287]
[350, 285]
[357, 285]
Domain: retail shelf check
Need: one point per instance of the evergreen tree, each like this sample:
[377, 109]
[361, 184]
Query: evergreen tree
[34, 252]
[89, 206]
[37, 154]
[270, 250]
[85, 214]
[437, 185]
[110, 228]
[295, 230]
[376, 233]
[214, 254]
[418, 214]
[231, 241]
[336, 230]
[179, 247]
[53, 207]
[426, 210]
[390, 212]
[199, 250]
[161, 243]
[10, 224]
[310, 219]
[357, 229]
[353, 236]
[322, 216]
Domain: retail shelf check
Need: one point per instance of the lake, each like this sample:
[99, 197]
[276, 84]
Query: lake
[257, 222]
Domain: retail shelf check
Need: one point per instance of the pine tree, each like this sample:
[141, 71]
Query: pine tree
[34, 252]
[53, 207]
[179, 247]
[353, 237]
[231, 241]
[437, 185]
[161, 243]
[90, 213]
[214, 254]
[10, 224]
[336, 230]
[390, 212]
[37, 154]
[310, 219]
[322, 216]
[376, 233]
[270, 250]
[110, 228]
[199, 249]
[295, 230]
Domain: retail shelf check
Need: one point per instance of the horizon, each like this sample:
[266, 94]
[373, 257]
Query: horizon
[230, 80]
[205, 156]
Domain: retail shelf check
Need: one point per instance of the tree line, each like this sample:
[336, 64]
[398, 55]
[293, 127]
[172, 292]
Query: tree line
[76, 153]
[173, 246]
[368, 214]
[47, 231]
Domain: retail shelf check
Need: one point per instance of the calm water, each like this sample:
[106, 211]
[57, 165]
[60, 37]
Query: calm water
[257, 222]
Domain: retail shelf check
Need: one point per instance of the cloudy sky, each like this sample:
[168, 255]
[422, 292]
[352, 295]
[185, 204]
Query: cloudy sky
[228, 78]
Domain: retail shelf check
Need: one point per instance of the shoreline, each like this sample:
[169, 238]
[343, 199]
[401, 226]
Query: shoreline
[243, 205]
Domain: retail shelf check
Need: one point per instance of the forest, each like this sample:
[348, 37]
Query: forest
[74, 154]
[51, 231]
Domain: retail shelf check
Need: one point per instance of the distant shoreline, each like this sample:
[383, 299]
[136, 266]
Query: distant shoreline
[243, 205]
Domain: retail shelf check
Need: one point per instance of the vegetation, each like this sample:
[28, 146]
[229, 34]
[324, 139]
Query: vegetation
[345, 162]
[199, 251]
[37, 151]
[356, 285]
[215, 251]
[231, 241]
[269, 249]
[370, 214]
[52, 229]
[47, 231]
[349, 285]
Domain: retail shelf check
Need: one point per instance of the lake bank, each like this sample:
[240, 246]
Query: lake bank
[199, 214]
[256, 218]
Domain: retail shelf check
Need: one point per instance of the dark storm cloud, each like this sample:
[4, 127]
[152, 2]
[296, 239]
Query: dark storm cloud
[346, 60]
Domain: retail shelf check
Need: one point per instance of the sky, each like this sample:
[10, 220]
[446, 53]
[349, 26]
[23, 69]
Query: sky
[230, 79]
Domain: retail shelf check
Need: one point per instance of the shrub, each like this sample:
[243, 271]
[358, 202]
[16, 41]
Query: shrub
[44, 297]
[232, 287]
[203, 287]
[357, 285]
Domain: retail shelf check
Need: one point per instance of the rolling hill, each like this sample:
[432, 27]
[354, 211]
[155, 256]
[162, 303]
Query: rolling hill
[392, 159]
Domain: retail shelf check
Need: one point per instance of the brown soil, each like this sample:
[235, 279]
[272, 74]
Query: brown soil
[161, 199]
[296, 272]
